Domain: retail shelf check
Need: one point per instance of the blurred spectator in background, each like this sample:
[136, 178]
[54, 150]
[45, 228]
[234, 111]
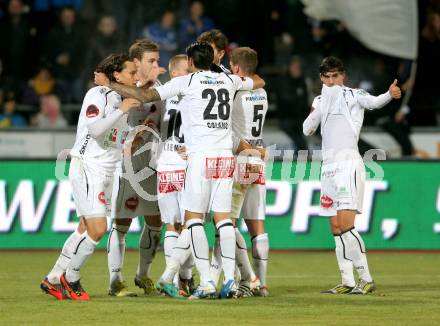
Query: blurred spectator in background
[64, 49]
[164, 33]
[50, 116]
[42, 84]
[393, 119]
[293, 102]
[107, 40]
[16, 39]
[425, 101]
[8, 117]
[194, 25]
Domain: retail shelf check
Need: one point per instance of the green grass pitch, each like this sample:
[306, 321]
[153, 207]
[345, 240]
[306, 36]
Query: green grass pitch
[408, 293]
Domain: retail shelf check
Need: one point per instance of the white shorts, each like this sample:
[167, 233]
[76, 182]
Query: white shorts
[129, 203]
[170, 183]
[250, 200]
[208, 182]
[342, 187]
[249, 190]
[91, 188]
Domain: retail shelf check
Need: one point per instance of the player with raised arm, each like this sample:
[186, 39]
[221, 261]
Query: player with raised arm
[127, 202]
[249, 190]
[340, 112]
[97, 150]
[206, 119]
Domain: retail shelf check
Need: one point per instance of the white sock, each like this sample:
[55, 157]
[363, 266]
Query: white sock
[216, 267]
[199, 248]
[148, 243]
[225, 230]
[345, 265]
[180, 254]
[355, 251]
[64, 259]
[116, 251]
[84, 249]
[260, 253]
[169, 243]
[185, 271]
[242, 258]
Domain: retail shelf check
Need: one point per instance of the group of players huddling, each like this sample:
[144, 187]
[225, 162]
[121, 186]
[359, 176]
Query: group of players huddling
[191, 149]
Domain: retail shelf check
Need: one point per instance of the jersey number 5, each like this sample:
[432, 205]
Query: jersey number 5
[258, 117]
[224, 109]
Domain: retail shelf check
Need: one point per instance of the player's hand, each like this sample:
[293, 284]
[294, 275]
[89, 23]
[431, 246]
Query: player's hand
[101, 79]
[162, 70]
[394, 90]
[150, 123]
[137, 143]
[128, 104]
[182, 152]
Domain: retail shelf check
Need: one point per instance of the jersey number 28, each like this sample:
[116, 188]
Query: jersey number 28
[224, 109]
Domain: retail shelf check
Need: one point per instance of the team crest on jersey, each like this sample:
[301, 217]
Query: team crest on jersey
[132, 203]
[326, 202]
[219, 167]
[92, 111]
[101, 197]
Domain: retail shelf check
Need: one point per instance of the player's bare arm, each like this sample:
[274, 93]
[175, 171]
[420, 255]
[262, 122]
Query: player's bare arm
[258, 81]
[141, 94]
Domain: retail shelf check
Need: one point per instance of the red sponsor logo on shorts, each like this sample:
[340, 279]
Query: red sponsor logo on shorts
[101, 197]
[92, 111]
[170, 181]
[326, 202]
[131, 203]
[248, 173]
[219, 167]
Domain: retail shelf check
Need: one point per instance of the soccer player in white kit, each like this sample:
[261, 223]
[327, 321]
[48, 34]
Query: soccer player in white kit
[171, 176]
[249, 190]
[127, 202]
[206, 119]
[340, 112]
[97, 150]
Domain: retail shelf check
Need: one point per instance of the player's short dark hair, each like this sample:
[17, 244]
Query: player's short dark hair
[246, 58]
[114, 62]
[201, 54]
[216, 37]
[330, 64]
[140, 46]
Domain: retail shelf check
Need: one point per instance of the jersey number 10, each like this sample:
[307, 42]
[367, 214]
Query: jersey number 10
[174, 126]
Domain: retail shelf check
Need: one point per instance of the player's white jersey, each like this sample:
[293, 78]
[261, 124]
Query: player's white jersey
[105, 150]
[206, 105]
[340, 111]
[250, 108]
[171, 132]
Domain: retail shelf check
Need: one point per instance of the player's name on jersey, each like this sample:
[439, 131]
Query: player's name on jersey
[217, 125]
[171, 147]
[255, 98]
[212, 82]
